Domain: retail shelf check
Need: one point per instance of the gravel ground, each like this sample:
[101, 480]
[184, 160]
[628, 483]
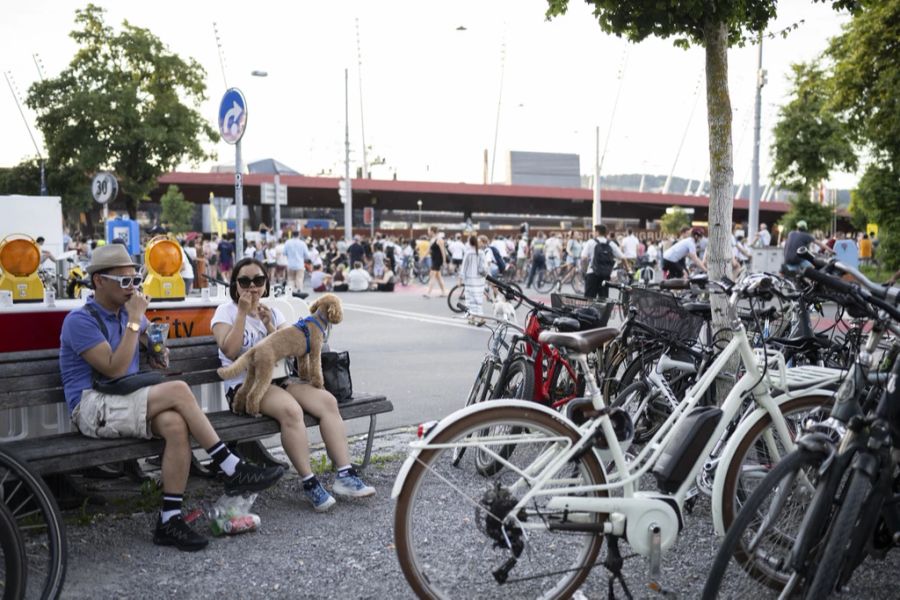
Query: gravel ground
[345, 553]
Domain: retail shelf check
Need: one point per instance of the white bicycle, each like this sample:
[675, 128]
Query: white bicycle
[535, 527]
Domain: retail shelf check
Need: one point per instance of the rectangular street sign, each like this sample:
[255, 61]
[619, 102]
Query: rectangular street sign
[267, 194]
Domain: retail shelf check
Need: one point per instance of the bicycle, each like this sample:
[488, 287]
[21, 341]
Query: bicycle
[806, 526]
[36, 516]
[504, 373]
[456, 297]
[555, 484]
[13, 577]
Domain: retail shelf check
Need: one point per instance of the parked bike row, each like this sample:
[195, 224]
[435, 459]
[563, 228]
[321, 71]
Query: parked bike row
[574, 431]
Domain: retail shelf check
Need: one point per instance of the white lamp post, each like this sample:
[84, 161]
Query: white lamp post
[276, 179]
[419, 202]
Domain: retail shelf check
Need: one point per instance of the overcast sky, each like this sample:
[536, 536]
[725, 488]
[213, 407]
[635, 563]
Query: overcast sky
[431, 91]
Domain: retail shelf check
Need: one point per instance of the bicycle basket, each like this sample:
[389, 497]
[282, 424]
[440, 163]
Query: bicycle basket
[569, 302]
[662, 313]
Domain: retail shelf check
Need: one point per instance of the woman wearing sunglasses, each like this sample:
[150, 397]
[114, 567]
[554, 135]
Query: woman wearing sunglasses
[241, 324]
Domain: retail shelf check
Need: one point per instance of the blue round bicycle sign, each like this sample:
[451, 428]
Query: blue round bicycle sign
[232, 116]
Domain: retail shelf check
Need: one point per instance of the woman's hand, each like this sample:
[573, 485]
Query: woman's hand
[265, 315]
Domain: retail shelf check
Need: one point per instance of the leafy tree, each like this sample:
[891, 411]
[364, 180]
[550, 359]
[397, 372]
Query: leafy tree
[715, 25]
[177, 213]
[817, 216]
[859, 216]
[810, 138]
[126, 104]
[879, 190]
[674, 221]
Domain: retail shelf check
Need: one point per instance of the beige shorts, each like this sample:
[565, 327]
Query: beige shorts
[106, 416]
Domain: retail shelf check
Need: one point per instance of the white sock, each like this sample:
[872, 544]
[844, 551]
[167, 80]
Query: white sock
[342, 471]
[165, 515]
[229, 464]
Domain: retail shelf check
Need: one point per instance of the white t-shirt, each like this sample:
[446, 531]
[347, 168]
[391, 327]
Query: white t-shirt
[254, 332]
[630, 246]
[553, 247]
[522, 249]
[500, 245]
[358, 280]
[457, 249]
[680, 249]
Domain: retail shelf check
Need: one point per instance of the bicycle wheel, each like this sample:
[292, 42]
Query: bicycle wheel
[450, 528]
[482, 389]
[404, 276]
[456, 298]
[37, 516]
[758, 545]
[756, 455]
[578, 282]
[838, 556]
[13, 577]
[648, 410]
[545, 281]
[517, 384]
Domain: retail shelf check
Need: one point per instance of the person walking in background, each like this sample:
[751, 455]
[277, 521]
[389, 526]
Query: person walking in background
[297, 253]
[457, 249]
[226, 258]
[438, 254]
[865, 250]
[472, 274]
[629, 246]
[763, 239]
[538, 260]
[603, 261]
[675, 258]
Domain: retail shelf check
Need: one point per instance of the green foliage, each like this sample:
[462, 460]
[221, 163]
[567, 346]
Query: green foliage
[177, 213]
[879, 191]
[817, 216]
[674, 221]
[859, 216]
[810, 138]
[126, 104]
[867, 77]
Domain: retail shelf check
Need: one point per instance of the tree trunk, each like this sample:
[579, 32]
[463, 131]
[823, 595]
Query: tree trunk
[721, 169]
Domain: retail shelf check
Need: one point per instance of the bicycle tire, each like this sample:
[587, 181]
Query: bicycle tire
[736, 490]
[843, 531]
[509, 388]
[545, 281]
[15, 572]
[578, 282]
[38, 518]
[423, 276]
[456, 297]
[481, 389]
[734, 560]
[634, 399]
[447, 550]
[404, 277]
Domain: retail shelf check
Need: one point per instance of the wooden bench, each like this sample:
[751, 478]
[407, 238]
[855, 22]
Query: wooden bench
[32, 378]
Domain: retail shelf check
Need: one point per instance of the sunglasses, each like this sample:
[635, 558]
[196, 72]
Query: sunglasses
[258, 281]
[125, 281]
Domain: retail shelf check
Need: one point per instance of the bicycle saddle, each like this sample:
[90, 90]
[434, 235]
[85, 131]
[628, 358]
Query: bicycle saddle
[701, 309]
[581, 341]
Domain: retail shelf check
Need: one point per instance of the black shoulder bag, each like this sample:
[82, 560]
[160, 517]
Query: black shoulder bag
[121, 386]
[336, 373]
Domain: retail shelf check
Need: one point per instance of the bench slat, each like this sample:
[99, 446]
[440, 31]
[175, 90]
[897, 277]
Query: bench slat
[73, 451]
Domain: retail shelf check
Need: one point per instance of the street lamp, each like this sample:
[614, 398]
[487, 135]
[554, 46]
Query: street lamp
[276, 179]
[419, 202]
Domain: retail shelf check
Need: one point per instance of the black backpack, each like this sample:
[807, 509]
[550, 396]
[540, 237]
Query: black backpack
[603, 260]
[498, 258]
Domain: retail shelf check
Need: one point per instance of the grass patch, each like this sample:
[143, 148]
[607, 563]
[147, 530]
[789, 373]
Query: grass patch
[878, 274]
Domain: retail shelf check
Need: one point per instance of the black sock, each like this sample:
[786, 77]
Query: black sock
[223, 458]
[171, 506]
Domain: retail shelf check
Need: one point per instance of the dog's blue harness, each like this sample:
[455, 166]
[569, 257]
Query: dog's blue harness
[301, 324]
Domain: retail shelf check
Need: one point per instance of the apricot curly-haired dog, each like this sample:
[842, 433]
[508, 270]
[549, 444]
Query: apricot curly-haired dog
[303, 339]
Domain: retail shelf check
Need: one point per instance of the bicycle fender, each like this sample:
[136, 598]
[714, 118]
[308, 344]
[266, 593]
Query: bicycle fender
[417, 446]
[742, 430]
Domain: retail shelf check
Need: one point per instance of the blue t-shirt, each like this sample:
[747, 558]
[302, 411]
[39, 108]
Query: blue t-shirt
[80, 333]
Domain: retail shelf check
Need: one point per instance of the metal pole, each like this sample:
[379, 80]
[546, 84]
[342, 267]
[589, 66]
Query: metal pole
[499, 104]
[753, 220]
[239, 203]
[278, 207]
[30, 134]
[362, 121]
[597, 210]
[348, 199]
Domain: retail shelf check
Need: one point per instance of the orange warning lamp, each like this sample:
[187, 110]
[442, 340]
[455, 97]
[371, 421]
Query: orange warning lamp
[163, 261]
[20, 257]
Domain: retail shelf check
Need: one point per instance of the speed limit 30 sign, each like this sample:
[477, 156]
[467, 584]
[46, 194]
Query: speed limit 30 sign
[104, 187]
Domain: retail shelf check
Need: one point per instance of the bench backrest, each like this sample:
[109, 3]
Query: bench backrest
[32, 378]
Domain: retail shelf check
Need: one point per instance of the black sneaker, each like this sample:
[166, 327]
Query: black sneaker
[250, 478]
[175, 532]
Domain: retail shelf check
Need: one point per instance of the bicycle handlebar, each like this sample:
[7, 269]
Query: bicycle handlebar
[891, 294]
[852, 290]
[509, 291]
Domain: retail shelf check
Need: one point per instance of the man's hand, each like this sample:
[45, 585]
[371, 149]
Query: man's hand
[136, 306]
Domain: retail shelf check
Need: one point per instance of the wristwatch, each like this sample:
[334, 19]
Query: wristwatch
[135, 327]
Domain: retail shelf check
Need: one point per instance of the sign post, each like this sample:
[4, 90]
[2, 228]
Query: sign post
[105, 188]
[232, 123]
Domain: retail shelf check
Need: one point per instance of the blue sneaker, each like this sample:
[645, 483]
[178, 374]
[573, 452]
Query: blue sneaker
[349, 485]
[320, 499]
